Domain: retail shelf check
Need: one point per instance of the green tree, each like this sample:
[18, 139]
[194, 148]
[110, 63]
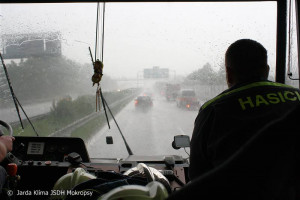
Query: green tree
[221, 75]
[204, 75]
[50, 77]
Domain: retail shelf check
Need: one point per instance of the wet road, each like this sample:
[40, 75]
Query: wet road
[10, 114]
[147, 133]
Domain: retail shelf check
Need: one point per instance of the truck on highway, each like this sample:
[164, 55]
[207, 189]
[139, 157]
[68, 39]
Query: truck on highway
[171, 91]
[187, 99]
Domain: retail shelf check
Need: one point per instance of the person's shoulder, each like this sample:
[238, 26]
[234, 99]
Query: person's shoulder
[220, 96]
[245, 87]
[275, 84]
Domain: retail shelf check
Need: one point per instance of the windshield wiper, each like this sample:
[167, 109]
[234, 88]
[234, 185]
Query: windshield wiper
[98, 67]
[106, 105]
[125, 142]
[15, 99]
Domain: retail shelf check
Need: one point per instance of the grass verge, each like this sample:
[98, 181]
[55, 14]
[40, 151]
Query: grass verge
[93, 126]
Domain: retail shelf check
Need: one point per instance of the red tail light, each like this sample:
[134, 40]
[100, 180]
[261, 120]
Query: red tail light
[135, 102]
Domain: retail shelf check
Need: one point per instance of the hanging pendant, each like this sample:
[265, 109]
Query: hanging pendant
[98, 69]
[98, 99]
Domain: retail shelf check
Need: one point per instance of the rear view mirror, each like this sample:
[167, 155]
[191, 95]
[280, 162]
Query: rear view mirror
[181, 141]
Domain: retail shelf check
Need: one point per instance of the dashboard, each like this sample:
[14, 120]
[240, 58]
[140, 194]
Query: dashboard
[49, 148]
[42, 161]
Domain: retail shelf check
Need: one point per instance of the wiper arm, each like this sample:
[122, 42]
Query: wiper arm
[99, 72]
[16, 101]
[125, 142]
[11, 90]
[26, 116]
[105, 103]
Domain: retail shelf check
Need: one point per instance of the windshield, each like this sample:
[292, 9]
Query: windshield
[146, 48]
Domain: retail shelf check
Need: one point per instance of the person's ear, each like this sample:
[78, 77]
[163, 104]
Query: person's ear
[229, 77]
[267, 71]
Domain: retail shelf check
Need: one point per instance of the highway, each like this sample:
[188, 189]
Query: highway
[147, 132]
[32, 110]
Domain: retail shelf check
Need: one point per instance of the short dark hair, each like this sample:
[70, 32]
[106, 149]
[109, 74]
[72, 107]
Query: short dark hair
[247, 58]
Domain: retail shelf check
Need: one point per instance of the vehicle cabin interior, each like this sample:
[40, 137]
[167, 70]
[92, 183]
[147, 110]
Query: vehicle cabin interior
[38, 162]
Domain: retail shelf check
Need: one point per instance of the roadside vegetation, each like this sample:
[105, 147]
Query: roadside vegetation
[66, 111]
[94, 125]
[58, 79]
[43, 78]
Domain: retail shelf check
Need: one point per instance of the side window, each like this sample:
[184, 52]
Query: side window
[292, 74]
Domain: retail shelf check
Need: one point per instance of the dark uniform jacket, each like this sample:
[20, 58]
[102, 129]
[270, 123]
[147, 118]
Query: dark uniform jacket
[227, 121]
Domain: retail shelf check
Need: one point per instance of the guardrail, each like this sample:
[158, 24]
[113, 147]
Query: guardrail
[67, 130]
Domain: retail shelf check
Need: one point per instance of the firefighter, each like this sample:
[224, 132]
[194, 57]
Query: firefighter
[227, 121]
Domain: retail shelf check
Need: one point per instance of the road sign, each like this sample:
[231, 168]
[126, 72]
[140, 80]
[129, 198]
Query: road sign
[33, 44]
[156, 73]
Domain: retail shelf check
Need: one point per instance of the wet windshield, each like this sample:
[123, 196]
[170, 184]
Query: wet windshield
[147, 48]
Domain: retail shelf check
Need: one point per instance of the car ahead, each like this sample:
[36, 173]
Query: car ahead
[143, 102]
[187, 99]
[147, 93]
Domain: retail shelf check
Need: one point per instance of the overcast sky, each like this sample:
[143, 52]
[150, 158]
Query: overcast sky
[179, 36]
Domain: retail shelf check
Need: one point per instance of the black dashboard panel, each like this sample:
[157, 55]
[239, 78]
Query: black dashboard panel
[48, 148]
[41, 162]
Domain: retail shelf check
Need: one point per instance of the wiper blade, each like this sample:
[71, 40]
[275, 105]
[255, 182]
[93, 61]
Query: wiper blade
[98, 73]
[11, 90]
[26, 116]
[125, 142]
[15, 99]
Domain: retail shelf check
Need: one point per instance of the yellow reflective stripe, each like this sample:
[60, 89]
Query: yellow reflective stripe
[273, 98]
[289, 98]
[248, 101]
[251, 85]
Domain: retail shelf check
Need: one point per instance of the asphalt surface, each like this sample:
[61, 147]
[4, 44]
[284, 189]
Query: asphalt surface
[147, 132]
[10, 114]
